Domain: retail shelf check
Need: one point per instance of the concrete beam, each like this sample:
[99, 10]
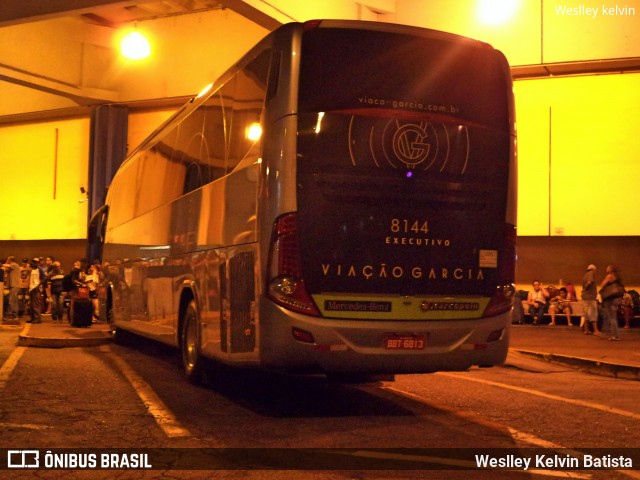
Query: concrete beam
[14, 12]
[252, 13]
[80, 95]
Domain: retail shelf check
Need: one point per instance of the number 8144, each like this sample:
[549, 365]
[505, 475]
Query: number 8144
[409, 226]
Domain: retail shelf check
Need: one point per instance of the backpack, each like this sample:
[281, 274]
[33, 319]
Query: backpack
[57, 284]
[635, 296]
[67, 283]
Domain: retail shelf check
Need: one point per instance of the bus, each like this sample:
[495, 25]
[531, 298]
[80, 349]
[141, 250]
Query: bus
[341, 201]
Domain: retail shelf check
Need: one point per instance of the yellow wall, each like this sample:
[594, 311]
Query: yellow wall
[518, 36]
[579, 155]
[534, 31]
[142, 124]
[572, 32]
[577, 140]
[28, 156]
[39, 200]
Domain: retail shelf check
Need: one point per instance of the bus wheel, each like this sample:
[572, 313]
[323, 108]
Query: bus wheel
[116, 334]
[192, 360]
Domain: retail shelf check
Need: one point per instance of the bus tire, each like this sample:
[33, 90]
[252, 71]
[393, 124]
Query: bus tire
[118, 336]
[192, 360]
[121, 337]
[113, 330]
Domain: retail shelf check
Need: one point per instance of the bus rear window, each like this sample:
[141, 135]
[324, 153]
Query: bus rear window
[348, 69]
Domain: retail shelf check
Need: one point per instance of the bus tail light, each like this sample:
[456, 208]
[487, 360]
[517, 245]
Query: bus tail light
[495, 335]
[502, 300]
[286, 286]
[302, 335]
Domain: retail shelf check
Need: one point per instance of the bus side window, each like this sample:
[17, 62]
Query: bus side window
[248, 104]
[214, 128]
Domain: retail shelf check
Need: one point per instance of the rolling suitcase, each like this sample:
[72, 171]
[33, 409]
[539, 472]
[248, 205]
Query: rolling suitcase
[81, 312]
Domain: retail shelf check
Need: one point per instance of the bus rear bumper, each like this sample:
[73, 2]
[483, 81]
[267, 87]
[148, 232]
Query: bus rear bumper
[299, 343]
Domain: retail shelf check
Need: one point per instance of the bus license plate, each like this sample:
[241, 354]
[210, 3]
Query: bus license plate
[404, 342]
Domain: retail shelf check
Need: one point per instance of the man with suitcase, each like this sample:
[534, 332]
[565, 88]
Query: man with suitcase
[81, 305]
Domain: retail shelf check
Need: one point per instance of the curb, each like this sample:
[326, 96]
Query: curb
[595, 367]
[42, 342]
[91, 338]
[11, 322]
[10, 326]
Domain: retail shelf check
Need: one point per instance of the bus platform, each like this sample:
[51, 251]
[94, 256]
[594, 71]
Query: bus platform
[563, 345]
[570, 347]
[50, 334]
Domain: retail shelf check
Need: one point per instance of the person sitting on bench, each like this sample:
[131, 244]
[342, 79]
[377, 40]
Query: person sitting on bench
[560, 304]
[537, 301]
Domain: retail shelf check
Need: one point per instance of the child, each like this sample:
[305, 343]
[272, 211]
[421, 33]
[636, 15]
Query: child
[560, 304]
[626, 308]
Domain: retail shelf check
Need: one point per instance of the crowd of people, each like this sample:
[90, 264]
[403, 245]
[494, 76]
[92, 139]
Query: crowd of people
[40, 286]
[607, 297]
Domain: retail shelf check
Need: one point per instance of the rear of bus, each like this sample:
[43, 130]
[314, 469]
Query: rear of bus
[400, 255]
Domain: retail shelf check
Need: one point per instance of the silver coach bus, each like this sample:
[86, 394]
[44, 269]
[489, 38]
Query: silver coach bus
[341, 201]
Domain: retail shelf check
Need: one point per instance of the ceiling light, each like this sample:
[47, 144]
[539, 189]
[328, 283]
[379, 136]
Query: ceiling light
[496, 12]
[135, 46]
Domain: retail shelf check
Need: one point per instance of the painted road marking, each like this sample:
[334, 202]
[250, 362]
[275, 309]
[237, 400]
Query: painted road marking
[550, 396]
[163, 416]
[10, 364]
[515, 434]
[5, 373]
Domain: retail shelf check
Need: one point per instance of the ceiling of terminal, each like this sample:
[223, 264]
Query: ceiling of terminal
[117, 13]
[111, 13]
[62, 54]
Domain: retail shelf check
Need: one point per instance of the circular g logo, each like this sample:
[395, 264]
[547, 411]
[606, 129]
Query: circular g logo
[409, 144]
[412, 145]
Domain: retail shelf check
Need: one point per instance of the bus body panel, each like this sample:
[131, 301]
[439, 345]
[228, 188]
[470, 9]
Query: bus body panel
[147, 292]
[172, 240]
[358, 345]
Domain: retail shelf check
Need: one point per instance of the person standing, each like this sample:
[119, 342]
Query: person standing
[626, 308]
[13, 271]
[2, 275]
[76, 281]
[572, 296]
[611, 292]
[45, 268]
[55, 280]
[23, 296]
[92, 281]
[589, 301]
[34, 292]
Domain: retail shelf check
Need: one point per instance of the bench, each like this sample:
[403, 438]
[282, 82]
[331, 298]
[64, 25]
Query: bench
[577, 311]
